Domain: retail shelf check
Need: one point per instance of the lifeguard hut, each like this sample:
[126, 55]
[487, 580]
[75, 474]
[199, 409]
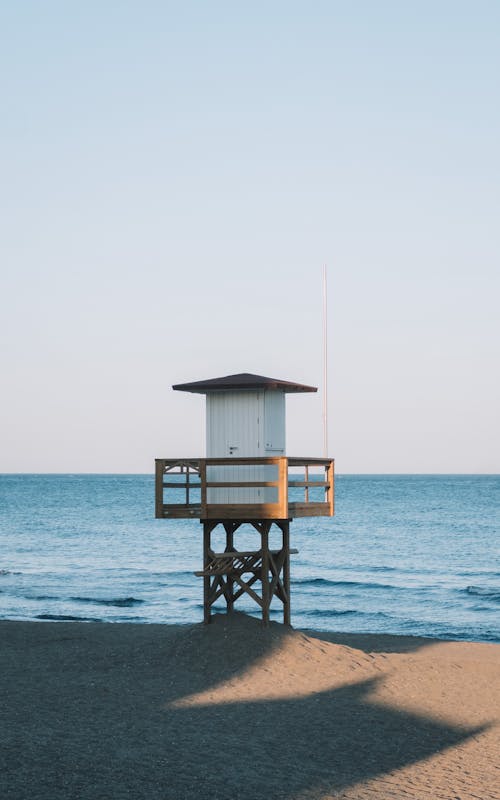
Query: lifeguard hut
[245, 479]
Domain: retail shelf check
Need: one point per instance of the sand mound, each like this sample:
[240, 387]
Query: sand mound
[233, 710]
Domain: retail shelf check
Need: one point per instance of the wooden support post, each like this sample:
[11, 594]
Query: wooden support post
[207, 530]
[266, 598]
[285, 528]
[230, 527]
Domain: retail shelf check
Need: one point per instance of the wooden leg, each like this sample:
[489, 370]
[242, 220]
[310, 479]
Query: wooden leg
[286, 572]
[266, 599]
[229, 527]
[207, 529]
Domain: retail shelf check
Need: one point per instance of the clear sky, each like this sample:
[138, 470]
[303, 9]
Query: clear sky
[173, 176]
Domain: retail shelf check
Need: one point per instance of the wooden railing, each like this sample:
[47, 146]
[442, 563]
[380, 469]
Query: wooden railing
[203, 488]
[309, 507]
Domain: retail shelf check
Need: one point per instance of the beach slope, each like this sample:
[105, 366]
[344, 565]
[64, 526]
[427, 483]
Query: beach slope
[234, 711]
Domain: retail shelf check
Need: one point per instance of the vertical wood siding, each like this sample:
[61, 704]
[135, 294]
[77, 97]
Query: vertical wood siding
[273, 437]
[274, 423]
[244, 424]
[233, 429]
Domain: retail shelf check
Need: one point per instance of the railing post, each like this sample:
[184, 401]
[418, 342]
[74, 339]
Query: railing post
[283, 487]
[203, 490]
[330, 494]
[159, 471]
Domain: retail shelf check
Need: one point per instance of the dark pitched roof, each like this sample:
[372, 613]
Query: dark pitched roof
[241, 382]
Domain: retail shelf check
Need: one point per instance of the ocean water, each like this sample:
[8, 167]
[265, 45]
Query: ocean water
[404, 554]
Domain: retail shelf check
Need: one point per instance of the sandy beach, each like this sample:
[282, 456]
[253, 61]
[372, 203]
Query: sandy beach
[232, 710]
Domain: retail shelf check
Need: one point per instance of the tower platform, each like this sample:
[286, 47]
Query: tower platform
[244, 488]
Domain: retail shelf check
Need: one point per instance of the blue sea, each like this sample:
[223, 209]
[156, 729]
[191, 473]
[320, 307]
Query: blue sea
[405, 554]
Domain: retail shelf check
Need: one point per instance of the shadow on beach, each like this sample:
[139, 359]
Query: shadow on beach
[96, 711]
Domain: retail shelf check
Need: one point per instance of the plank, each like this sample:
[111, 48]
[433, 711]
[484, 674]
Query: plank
[238, 484]
[247, 590]
[311, 484]
[309, 510]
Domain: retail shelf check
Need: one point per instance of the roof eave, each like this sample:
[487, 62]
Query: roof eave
[244, 382]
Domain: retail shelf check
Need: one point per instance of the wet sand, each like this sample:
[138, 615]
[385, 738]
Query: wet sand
[232, 711]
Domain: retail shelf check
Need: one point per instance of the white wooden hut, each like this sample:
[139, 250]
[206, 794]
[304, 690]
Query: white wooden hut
[245, 418]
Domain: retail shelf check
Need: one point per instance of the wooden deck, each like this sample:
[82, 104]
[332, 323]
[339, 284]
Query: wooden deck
[184, 492]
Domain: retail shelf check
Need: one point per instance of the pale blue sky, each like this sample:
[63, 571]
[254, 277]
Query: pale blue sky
[174, 176]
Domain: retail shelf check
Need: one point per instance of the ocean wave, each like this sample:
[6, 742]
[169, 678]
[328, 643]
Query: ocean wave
[164, 574]
[66, 618]
[381, 568]
[486, 592]
[42, 597]
[120, 602]
[481, 573]
[312, 582]
[36, 597]
[328, 612]
[351, 584]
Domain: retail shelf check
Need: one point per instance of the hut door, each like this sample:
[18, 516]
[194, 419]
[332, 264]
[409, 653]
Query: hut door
[242, 424]
[233, 424]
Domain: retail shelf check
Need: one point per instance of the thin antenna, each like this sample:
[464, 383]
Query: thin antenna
[325, 366]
